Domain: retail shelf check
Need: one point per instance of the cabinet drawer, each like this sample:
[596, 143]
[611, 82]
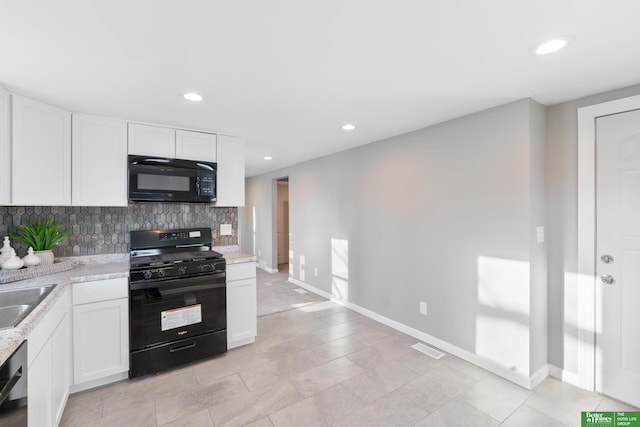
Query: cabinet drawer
[244, 270]
[100, 290]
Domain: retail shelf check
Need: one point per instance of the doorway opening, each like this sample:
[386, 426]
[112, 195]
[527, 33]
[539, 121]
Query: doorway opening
[282, 221]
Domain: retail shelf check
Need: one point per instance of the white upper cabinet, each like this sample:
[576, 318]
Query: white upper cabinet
[99, 147]
[196, 146]
[40, 154]
[145, 140]
[230, 176]
[5, 149]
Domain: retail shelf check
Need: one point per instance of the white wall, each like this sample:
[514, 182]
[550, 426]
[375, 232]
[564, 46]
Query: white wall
[444, 215]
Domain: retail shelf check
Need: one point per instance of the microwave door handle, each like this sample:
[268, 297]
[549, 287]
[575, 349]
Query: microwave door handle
[198, 185]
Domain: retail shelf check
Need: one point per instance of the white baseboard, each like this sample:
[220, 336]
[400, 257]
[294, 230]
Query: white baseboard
[565, 376]
[522, 380]
[311, 289]
[538, 376]
[267, 269]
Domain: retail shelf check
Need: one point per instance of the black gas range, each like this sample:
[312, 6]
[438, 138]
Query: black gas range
[177, 299]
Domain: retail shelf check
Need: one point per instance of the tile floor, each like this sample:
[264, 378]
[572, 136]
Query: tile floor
[320, 364]
[275, 294]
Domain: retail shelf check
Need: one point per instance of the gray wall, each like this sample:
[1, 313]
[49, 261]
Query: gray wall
[442, 215]
[105, 230]
[562, 214]
[538, 251]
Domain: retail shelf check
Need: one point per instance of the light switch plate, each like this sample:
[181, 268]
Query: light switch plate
[540, 234]
[226, 230]
[423, 308]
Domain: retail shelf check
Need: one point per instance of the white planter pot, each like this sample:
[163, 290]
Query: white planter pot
[46, 257]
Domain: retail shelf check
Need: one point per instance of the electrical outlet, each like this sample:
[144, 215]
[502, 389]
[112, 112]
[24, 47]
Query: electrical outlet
[423, 308]
[225, 230]
[315, 271]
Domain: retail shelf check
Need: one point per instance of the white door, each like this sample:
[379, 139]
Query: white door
[618, 256]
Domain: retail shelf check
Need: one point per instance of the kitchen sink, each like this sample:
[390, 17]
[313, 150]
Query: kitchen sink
[16, 304]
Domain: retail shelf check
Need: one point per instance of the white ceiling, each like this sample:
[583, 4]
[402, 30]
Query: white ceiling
[286, 74]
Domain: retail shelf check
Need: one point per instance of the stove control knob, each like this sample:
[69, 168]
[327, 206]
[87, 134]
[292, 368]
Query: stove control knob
[147, 275]
[201, 268]
[160, 273]
[182, 270]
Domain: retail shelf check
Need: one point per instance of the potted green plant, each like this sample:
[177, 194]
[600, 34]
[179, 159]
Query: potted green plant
[42, 236]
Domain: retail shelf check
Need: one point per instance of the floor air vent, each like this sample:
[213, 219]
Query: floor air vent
[428, 350]
[300, 291]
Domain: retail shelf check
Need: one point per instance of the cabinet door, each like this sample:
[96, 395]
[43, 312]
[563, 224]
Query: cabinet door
[147, 140]
[100, 339]
[230, 182]
[5, 149]
[61, 372]
[196, 146]
[39, 385]
[41, 154]
[241, 312]
[99, 148]
[49, 365]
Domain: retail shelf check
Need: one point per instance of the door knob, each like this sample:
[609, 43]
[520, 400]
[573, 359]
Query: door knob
[607, 259]
[607, 279]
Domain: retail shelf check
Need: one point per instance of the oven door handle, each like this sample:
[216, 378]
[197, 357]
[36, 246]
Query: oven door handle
[182, 347]
[215, 280]
[9, 386]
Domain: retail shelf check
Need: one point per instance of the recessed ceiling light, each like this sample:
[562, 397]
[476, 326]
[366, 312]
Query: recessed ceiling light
[552, 45]
[348, 126]
[193, 97]
[268, 158]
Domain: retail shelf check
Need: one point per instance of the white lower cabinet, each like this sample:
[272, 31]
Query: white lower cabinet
[241, 304]
[49, 375]
[100, 332]
[40, 385]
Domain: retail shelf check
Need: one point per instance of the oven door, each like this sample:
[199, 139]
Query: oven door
[168, 310]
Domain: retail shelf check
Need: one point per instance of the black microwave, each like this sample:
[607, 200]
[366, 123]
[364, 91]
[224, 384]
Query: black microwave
[158, 179]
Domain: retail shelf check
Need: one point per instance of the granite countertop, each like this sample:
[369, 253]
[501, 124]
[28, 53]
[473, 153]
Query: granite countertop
[110, 268]
[89, 268]
[233, 255]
